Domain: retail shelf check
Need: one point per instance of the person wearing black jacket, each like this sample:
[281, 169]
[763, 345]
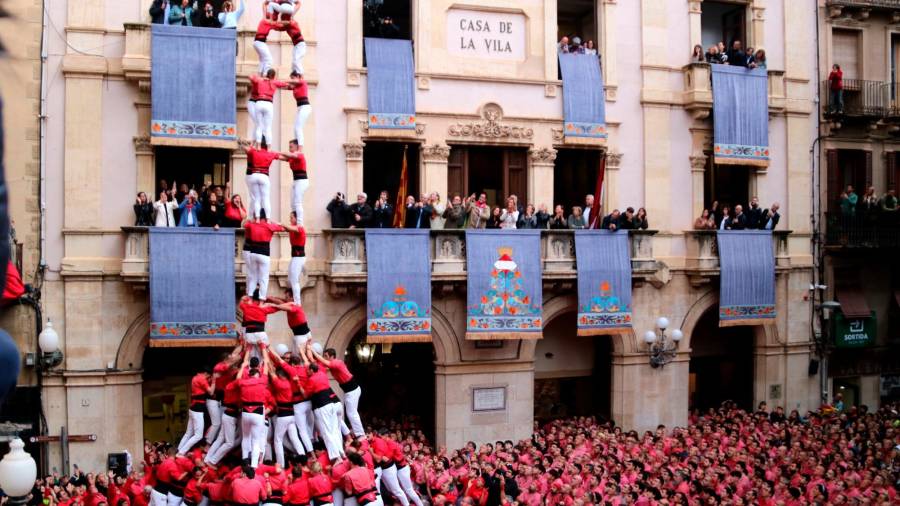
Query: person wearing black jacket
[543, 217]
[754, 214]
[339, 211]
[207, 17]
[143, 211]
[361, 212]
[418, 214]
[213, 214]
[158, 12]
[611, 221]
[736, 55]
[383, 213]
[739, 220]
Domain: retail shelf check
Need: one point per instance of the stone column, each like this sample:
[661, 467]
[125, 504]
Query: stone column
[611, 181]
[434, 169]
[698, 171]
[146, 180]
[695, 12]
[608, 44]
[540, 176]
[757, 33]
[354, 153]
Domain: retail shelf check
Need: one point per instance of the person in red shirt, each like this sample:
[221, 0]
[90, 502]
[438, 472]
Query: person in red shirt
[325, 404]
[403, 471]
[257, 236]
[359, 482]
[193, 493]
[200, 388]
[246, 489]
[235, 212]
[351, 388]
[283, 391]
[297, 237]
[263, 90]
[302, 405]
[222, 374]
[297, 493]
[320, 487]
[259, 161]
[254, 388]
[255, 313]
[229, 435]
[300, 90]
[836, 87]
[387, 467]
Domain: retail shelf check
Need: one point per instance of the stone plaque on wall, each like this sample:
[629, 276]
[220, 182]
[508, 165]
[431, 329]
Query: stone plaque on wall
[489, 399]
[488, 35]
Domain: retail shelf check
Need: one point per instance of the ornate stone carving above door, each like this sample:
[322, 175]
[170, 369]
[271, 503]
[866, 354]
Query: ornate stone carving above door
[491, 128]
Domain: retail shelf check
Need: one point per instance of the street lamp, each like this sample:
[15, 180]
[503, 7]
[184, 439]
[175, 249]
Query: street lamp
[662, 350]
[48, 340]
[365, 352]
[17, 473]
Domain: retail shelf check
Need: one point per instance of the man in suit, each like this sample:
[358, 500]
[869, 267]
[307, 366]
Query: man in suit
[361, 212]
[770, 219]
[611, 222]
[418, 214]
[739, 220]
[754, 214]
[626, 220]
[384, 212]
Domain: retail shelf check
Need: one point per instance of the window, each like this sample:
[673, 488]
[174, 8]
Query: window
[498, 172]
[382, 167]
[195, 167]
[574, 176]
[845, 52]
[387, 19]
[723, 22]
[729, 185]
[577, 18]
[847, 167]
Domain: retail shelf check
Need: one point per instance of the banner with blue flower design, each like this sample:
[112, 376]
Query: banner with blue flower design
[747, 282]
[604, 282]
[504, 284]
[398, 289]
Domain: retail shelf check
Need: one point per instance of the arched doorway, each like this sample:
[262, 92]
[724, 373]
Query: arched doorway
[572, 375]
[397, 381]
[721, 366]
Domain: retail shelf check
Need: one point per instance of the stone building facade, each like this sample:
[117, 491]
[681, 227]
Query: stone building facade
[471, 109]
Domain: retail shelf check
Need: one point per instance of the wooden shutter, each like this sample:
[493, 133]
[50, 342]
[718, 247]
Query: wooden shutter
[868, 155]
[834, 179]
[516, 174]
[845, 52]
[456, 171]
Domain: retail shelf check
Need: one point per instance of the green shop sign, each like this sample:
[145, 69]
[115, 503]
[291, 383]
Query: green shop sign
[854, 333]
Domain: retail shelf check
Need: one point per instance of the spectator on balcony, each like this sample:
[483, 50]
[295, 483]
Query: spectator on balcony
[725, 222]
[849, 200]
[705, 221]
[736, 57]
[576, 48]
[588, 208]
[715, 213]
[713, 55]
[576, 219]
[770, 217]
[640, 219]
[739, 220]
[509, 216]
[477, 211]
[388, 29]
[418, 214]
[339, 211]
[229, 17]
[889, 201]
[589, 48]
[611, 221]
[235, 212]
[455, 214]
[143, 211]
[870, 203]
[360, 212]
[213, 212]
[159, 12]
[558, 221]
[836, 90]
[754, 214]
[383, 213]
[627, 220]
[697, 56]
[190, 211]
[543, 217]
[207, 18]
[528, 219]
[495, 221]
[759, 59]
[437, 211]
[181, 14]
[563, 46]
[165, 210]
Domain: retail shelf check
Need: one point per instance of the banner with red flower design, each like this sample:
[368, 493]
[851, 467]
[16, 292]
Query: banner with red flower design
[398, 286]
[504, 286]
[604, 282]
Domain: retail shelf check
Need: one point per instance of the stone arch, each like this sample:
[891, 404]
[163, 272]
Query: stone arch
[130, 355]
[559, 305]
[446, 348]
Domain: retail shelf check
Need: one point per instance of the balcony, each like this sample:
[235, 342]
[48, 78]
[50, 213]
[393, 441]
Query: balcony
[868, 100]
[346, 262]
[864, 232]
[702, 254]
[698, 98]
[862, 8]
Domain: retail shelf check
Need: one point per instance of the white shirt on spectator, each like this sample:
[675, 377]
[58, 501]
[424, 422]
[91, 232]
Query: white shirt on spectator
[509, 219]
[165, 213]
[230, 19]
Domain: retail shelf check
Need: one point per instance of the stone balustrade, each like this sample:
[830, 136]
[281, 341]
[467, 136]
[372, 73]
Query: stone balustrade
[702, 252]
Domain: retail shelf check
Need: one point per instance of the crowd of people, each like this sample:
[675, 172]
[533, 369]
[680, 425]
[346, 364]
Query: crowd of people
[429, 212]
[725, 218]
[573, 45]
[206, 13]
[735, 55]
[870, 205]
[724, 456]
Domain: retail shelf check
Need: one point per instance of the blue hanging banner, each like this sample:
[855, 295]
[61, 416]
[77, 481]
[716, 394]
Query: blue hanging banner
[604, 282]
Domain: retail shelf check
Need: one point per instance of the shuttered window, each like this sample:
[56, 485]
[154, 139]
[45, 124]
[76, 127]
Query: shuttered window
[845, 45]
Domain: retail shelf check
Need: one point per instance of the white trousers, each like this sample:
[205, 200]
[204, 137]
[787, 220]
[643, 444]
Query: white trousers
[284, 8]
[264, 115]
[253, 437]
[351, 408]
[295, 269]
[299, 53]
[258, 186]
[392, 484]
[405, 479]
[173, 500]
[284, 425]
[251, 113]
[214, 408]
[157, 499]
[329, 429]
[226, 441]
[300, 341]
[258, 274]
[300, 120]
[337, 496]
[298, 190]
[193, 433]
[265, 56]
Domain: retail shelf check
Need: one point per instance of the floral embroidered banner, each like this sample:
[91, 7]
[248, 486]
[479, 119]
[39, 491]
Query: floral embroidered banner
[193, 83]
[747, 290]
[398, 289]
[391, 83]
[504, 284]
[740, 115]
[192, 292]
[584, 101]
[604, 282]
